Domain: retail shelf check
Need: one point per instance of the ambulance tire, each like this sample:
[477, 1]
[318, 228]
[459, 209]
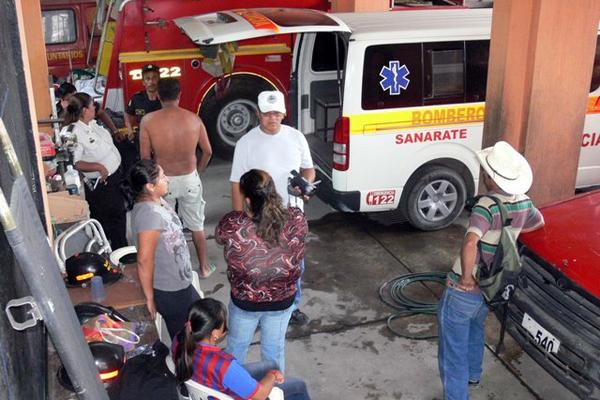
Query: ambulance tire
[436, 197]
[229, 118]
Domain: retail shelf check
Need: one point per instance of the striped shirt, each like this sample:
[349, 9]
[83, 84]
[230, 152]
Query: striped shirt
[220, 371]
[486, 222]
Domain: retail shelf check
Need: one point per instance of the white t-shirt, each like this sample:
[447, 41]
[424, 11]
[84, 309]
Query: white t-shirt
[276, 154]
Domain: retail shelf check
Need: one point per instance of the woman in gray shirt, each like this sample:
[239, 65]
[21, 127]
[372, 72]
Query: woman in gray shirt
[163, 258]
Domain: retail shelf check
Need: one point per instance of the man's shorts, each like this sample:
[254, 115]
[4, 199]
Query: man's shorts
[186, 191]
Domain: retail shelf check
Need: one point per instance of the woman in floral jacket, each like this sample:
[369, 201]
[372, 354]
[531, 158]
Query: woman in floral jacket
[264, 246]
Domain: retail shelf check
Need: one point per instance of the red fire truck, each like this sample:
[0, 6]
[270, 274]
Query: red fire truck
[69, 34]
[225, 98]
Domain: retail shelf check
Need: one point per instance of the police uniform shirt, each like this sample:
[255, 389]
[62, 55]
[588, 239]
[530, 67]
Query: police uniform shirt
[140, 105]
[95, 144]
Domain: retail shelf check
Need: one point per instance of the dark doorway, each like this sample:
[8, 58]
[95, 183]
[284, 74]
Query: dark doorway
[22, 354]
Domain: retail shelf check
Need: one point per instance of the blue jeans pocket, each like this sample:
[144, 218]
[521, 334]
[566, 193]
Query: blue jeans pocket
[463, 306]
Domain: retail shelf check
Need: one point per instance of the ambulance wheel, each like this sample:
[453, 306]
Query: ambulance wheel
[436, 196]
[229, 118]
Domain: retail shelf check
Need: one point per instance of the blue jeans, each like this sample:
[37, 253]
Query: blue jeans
[273, 326]
[293, 388]
[296, 304]
[461, 341]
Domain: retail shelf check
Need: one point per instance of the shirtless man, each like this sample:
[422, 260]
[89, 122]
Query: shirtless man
[170, 136]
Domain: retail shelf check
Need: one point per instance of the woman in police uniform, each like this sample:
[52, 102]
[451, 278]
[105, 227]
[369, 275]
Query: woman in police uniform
[97, 158]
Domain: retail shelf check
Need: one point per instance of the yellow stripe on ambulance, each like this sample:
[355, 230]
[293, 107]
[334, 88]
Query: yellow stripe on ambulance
[436, 119]
[423, 124]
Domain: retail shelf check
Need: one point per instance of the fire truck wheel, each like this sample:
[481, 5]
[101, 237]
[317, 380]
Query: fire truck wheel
[436, 197]
[231, 117]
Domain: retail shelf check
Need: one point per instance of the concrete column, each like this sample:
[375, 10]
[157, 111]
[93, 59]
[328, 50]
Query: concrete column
[359, 5]
[38, 65]
[36, 74]
[541, 58]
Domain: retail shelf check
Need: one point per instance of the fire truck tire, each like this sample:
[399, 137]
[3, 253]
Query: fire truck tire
[436, 197]
[231, 117]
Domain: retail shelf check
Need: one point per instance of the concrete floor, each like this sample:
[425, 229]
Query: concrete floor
[347, 351]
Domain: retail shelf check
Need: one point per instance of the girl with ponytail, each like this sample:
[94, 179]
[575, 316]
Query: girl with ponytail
[197, 357]
[263, 247]
[163, 258]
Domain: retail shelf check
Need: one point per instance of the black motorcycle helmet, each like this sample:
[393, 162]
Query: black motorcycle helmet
[109, 359]
[82, 267]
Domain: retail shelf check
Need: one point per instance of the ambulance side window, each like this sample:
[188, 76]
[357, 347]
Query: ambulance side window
[323, 56]
[478, 52]
[392, 76]
[444, 78]
[59, 26]
[596, 70]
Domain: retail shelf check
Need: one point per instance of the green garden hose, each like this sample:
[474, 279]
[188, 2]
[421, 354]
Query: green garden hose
[405, 305]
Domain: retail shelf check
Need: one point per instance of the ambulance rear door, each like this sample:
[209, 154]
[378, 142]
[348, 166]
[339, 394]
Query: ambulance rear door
[231, 26]
[319, 60]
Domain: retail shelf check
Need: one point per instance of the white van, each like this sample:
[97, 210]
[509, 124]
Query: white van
[392, 103]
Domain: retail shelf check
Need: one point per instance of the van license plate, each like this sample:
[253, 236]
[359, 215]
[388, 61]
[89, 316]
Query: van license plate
[541, 336]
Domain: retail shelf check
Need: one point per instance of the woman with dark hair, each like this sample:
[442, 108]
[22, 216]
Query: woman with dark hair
[264, 245]
[97, 158]
[63, 95]
[163, 258]
[197, 357]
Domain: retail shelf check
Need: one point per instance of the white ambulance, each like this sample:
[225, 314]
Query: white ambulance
[392, 103]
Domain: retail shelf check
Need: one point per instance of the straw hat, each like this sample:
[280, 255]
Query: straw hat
[507, 167]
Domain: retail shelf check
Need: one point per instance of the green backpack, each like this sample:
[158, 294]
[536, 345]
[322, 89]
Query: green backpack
[499, 280]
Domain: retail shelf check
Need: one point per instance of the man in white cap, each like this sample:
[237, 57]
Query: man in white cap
[462, 309]
[277, 149]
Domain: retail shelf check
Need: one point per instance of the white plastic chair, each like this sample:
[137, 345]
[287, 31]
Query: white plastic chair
[201, 392]
[86, 236]
[161, 329]
[196, 284]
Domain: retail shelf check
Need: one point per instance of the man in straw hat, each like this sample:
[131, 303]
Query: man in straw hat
[462, 309]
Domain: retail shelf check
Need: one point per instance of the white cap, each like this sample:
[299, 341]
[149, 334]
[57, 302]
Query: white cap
[271, 101]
